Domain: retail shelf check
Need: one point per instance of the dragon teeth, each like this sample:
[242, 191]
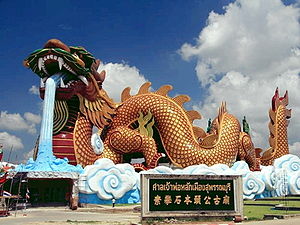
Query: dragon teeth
[45, 71]
[72, 71]
[69, 68]
[62, 83]
[60, 62]
[42, 83]
[66, 66]
[40, 63]
[84, 80]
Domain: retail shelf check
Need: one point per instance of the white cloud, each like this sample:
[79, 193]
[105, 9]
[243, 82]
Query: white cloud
[243, 55]
[295, 148]
[33, 118]
[252, 98]
[15, 121]
[28, 155]
[10, 141]
[34, 90]
[118, 77]
[257, 38]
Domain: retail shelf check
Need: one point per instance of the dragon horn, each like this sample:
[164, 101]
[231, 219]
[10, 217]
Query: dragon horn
[275, 100]
[286, 95]
[99, 77]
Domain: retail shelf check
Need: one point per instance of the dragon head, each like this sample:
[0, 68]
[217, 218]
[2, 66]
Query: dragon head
[77, 81]
[76, 67]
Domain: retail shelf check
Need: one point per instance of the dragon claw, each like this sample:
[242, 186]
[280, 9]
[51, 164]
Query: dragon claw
[155, 160]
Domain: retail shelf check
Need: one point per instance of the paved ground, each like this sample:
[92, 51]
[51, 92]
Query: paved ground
[102, 215]
[60, 215]
[290, 221]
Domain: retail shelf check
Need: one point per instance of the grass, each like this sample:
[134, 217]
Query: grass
[86, 222]
[128, 204]
[286, 197]
[283, 202]
[254, 212]
[258, 212]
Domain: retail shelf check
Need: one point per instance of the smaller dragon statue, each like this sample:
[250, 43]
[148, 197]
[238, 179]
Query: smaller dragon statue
[279, 121]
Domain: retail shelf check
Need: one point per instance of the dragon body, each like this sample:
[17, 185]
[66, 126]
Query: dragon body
[149, 124]
[174, 125]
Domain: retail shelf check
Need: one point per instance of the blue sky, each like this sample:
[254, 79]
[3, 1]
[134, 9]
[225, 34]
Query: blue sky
[165, 42]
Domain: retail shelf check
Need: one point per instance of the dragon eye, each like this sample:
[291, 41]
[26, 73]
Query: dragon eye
[79, 61]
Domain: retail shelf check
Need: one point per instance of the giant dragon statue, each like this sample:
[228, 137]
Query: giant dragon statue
[149, 124]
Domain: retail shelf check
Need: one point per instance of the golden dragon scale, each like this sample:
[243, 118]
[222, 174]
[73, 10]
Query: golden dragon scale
[175, 129]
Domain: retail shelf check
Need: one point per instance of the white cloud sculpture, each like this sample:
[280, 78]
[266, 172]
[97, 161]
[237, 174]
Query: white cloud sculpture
[109, 181]
[243, 55]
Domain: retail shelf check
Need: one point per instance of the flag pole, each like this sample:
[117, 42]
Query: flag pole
[8, 201]
[10, 153]
[19, 189]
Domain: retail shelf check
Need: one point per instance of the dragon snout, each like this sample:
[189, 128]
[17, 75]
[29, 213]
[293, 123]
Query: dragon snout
[55, 43]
